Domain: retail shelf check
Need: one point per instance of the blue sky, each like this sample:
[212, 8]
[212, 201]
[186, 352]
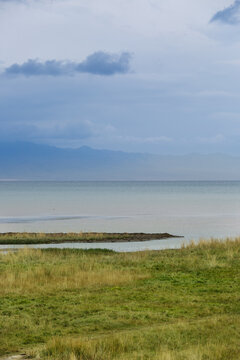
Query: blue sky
[157, 76]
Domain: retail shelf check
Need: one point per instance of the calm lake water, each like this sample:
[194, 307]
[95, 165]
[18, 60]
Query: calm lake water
[192, 209]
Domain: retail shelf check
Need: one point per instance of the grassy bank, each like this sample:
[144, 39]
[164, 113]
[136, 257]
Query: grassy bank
[100, 305]
[12, 238]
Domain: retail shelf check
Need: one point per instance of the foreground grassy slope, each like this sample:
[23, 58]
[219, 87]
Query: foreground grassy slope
[100, 305]
[53, 238]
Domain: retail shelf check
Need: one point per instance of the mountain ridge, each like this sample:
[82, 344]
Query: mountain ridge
[30, 161]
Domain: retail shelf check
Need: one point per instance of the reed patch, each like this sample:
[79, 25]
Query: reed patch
[27, 271]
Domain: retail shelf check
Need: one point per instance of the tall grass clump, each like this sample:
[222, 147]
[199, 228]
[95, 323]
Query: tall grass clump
[179, 341]
[26, 271]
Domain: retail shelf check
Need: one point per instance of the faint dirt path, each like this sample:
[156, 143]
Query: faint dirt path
[15, 357]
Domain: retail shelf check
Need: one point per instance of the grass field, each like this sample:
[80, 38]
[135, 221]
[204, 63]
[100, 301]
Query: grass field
[48, 238]
[100, 305]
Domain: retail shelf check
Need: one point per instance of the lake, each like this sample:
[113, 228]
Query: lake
[188, 208]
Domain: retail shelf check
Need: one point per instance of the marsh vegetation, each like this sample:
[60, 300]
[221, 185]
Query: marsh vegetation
[100, 305]
[51, 238]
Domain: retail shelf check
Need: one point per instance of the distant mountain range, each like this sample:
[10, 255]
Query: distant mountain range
[28, 161]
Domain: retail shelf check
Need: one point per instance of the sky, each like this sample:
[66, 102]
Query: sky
[154, 76]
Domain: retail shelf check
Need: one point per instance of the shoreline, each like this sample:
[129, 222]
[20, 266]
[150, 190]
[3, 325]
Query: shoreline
[24, 238]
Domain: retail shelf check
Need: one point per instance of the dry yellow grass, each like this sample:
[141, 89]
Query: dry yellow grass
[31, 271]
[213, 244]
[167, 342]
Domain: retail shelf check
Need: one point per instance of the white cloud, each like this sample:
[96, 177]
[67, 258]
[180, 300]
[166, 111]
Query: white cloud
[145, 140]
[219, 138]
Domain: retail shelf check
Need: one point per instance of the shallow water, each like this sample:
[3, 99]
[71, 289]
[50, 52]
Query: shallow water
[191, 209]
[119, 247]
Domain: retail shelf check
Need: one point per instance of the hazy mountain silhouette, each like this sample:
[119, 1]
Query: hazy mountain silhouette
[26, 161]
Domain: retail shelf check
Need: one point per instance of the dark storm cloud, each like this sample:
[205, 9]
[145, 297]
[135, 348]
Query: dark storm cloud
[102, 63]
[98, 63]
[36, 68]
[230, 15]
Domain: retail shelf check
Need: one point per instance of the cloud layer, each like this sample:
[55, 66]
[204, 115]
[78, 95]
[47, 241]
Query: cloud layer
[183, 93]
[98, 63]
[230, 15]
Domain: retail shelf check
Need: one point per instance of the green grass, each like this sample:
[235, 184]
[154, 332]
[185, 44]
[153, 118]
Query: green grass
[100, 305]
[12, 238]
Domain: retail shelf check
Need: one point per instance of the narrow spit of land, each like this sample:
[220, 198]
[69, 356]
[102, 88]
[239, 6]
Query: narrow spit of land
[82, 237]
